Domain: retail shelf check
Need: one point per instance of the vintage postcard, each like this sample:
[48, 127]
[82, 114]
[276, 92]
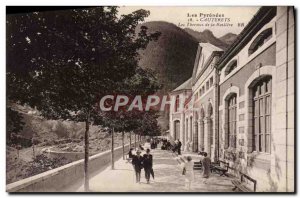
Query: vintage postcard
[150, 99]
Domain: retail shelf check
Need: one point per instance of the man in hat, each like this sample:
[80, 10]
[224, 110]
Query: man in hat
[137, 162]
[148, 163]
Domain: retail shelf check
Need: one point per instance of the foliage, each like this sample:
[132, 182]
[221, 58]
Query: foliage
[14, 124]
[42, 163]
[68, 59]
[14, 121]
[143, 84]
[62, 62]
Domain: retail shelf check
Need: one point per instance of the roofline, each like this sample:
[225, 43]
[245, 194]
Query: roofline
[181, 90]
[245, 36]
[207, 63]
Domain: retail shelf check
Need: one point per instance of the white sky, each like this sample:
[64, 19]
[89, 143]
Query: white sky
[178, 15]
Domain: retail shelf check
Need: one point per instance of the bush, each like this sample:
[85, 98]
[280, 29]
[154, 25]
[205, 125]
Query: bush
[43, 163]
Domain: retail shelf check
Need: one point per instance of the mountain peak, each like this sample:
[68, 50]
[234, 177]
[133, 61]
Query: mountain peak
[228, 38]
[207, 36]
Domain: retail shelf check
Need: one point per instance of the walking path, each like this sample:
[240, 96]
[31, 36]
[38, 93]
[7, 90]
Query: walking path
[168, 178]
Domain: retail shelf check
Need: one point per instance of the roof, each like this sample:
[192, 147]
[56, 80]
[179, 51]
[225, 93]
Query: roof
[263, 16]
[205, 54]
[210, 47]
[184, 86]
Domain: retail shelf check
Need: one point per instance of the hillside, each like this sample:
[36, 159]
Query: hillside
[171, 57]
[58, 135]
[208, 37]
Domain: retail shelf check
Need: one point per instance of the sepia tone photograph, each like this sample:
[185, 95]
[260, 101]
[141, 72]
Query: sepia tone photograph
[150, 99]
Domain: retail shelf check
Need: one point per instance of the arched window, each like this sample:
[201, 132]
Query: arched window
[231, 66]
[177, 103]
[262, 115]
[232, 117]
[262, 38]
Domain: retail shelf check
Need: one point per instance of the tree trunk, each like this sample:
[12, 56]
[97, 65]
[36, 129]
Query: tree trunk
[135, 141]
[112, 150]
[123, 145]
[86, 155]
[129, 139]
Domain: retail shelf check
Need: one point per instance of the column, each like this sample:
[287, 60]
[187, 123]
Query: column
[207, 131]
[186, 133]
[182, 128]
[283, 94]
[201, 136]
[195, 137]
[191, 130]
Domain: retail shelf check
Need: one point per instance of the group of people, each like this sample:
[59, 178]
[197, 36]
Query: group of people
[166, 144]
[188, 170]
[177, 147]
[140, 162]
[154, 142]
[145, 161]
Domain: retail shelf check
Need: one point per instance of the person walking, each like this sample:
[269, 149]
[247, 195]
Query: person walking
[179, 147]
[137, 162]
[148, 164]
[206, 166]
[188, 171]
[130, 155]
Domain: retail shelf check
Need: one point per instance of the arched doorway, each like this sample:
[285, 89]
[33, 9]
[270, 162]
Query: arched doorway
[201, 130]
[176, 129]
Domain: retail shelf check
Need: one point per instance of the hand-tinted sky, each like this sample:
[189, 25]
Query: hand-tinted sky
[178, 15]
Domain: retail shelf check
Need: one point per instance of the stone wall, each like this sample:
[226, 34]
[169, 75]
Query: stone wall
[60, 178]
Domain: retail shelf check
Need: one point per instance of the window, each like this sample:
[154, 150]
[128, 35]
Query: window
[262, 115]
[196, 96]
[177, 103]
[262, 38]
[211, 81]
[232, 117]
[231, 66]
[207, 85]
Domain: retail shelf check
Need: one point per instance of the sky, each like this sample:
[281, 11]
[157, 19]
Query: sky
[234, 18]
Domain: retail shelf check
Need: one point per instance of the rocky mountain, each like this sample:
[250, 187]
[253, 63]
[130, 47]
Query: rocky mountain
[172, 57]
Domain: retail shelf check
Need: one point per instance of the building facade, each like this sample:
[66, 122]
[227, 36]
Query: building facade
[240, 105]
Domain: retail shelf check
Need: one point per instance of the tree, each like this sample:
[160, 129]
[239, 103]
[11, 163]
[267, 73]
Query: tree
[149, 125]
[143, 83]
[14, 125]
[62, 62]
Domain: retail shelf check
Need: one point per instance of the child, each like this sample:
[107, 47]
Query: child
[188, 172]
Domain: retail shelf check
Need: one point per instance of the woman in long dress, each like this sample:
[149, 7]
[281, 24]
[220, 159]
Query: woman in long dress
[188, 170]
[206, 167]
